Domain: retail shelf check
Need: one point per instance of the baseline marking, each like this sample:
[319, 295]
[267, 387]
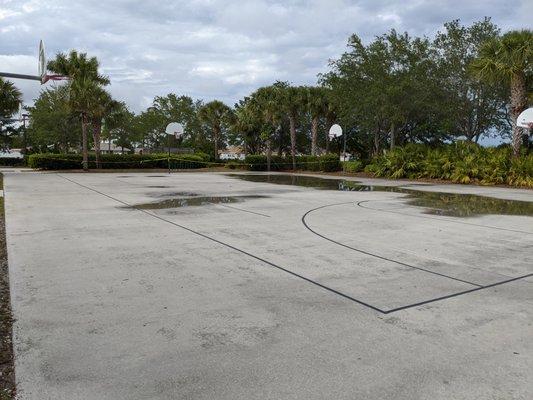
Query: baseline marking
[289, 271]
[372, 254]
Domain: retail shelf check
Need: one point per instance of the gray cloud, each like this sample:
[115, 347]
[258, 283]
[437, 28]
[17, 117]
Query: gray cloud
[214, 48]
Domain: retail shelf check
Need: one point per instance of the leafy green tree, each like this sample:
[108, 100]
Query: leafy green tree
[10, 100]
[52, 125]
[185, 110]
[119, 125]
[85, 83]
[216, 116]
[102, 106]
[509, 58]
[475, 108]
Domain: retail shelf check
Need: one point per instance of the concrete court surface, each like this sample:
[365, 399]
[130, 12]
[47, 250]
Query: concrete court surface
[290, 293]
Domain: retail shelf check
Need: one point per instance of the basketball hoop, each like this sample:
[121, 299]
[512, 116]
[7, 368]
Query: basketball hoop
[45, 77]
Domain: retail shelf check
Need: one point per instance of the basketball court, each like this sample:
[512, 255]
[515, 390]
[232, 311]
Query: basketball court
[206, 285]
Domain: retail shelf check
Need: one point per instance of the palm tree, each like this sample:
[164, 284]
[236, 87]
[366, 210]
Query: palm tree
[82, 99]
[509, 59]
[267, 101]
[215, 115]
[78, 66]
[85, 87]
[292, 101]
[317, 105]
[10, 98]
[102, 105]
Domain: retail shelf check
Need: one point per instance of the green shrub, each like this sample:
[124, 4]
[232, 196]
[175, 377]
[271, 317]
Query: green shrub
[352, 166]
[48, 161]
[12, 162]
[330, 163]
[461, 162]
[234, 164]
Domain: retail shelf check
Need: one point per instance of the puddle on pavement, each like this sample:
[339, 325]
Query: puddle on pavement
[448, 204]
[193, 201]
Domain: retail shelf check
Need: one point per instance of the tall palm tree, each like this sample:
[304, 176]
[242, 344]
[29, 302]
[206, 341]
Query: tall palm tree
[82, 99]
[509, 58]
[84, 87]
[267, 101]
[215, 115]
[78, 66]
[292, 101]
[317, 106]
[102, 105]
[10, 98]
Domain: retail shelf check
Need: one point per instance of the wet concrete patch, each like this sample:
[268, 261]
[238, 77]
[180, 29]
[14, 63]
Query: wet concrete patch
[448, 204]
[195, 201]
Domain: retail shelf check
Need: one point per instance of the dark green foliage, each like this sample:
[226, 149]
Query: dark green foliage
[118, 161]
[11, 162]
[330, 163]
[460, 163]
[235, 164]
[326, 163]
[353, 166]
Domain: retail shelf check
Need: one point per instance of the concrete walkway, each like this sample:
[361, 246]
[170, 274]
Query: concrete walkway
[281, 292]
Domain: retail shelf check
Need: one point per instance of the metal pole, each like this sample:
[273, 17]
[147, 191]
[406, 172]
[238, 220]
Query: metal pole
[20, 76]
[344, 156]
[168, 144]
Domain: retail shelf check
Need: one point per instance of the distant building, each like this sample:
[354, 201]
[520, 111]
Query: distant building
[111, 148]
[231, 153]
[11, 153]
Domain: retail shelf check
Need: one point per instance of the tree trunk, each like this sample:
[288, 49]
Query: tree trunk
[392, 136]
[215, 134]
[84, 150]
[314, 133]
[329, 123]
[376, 142]
[97, 129]
[269, 153]
[518, 104]
[292, 122]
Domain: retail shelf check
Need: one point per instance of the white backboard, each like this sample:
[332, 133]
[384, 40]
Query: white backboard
[42, 61]
[174, 128]
[525, 119]
[335, 131]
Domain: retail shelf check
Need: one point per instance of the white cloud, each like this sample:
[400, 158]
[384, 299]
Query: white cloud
[217, 48]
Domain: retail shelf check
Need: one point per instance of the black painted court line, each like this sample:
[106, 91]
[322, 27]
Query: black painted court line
[239, 209]
[231, 247]
[421, 303]
[359, 204]
[289, 271]
[373, 254]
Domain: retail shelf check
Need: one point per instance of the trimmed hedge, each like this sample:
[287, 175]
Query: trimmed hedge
[48, 161]
[327, 163]
[353, 166]
[11, 162]
[461, 162]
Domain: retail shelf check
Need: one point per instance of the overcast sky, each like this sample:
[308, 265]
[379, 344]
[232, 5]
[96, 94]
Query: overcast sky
[217, 48]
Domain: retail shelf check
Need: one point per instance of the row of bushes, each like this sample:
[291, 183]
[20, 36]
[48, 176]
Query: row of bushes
[459, 163]
[257, 162]
[50, 161]
[12, 162]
